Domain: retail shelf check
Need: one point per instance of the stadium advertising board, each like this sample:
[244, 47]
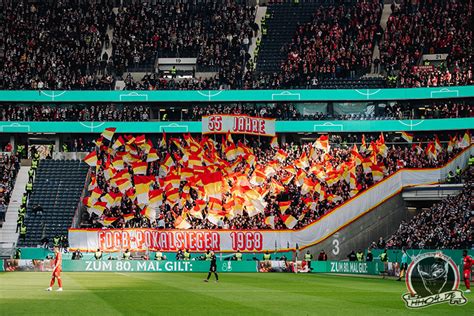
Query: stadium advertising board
[238, 124]
[261, 240]
[128, 266]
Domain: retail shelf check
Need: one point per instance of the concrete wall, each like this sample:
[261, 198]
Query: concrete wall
[382, 221]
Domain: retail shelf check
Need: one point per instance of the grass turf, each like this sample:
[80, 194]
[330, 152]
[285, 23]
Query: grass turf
[185, 293]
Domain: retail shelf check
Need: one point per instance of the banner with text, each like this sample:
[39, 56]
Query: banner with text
[238, 124]
[128, 266]
[260, 240]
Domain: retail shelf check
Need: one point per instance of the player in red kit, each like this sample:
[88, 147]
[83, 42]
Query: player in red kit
[468, 262]
[58, 261]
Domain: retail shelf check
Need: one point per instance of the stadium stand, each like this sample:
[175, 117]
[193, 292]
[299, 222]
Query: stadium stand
[57, 188]
[74, 112]
[193, 112]
[54, 45]
[429, 27]
[445, 225]
[314, 44]
[9, 166]
[290, 179]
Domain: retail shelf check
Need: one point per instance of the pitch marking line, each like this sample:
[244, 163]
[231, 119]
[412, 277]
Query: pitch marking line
[367, 92]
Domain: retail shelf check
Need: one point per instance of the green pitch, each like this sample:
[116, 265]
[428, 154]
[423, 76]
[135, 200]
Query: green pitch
[186, 293]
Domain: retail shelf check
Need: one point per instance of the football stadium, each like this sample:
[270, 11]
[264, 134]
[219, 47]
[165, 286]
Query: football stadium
[241, 157]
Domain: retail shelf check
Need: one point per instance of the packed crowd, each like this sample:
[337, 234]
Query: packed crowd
[284, 111]
[54, 45]
[218, 33]
[75, 112]
[338, 42]
[63, 45]
[9, 166]
[446, 225]
[203, 184]
[432, 110]
[429, 27]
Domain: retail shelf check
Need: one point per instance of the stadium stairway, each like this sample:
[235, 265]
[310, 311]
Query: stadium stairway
[281, 26]
[261, 11]
[8, 236]
[58, 187]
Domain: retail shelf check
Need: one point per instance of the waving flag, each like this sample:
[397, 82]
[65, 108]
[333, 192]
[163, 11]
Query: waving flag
[142, 188]
[91, 159]
[163, 141]
[377, 172]
[284, 206]
[300, 176]
[212, 182]
[96, 194]
[148, 213]
[107, 221]
[356, 157]
[108, 133]
[140, 167]
[302, 162]
[322, 143]
[289, 220]
[152, 155]
[451, 143]
[118, 143]
[181, 223]
[98, 208]
[408, 137]
[431, 152]
[465, 141]
[281, 155]
[363, 146]
[274, 142]
[155, 198]
[270, 221]
[128, 217]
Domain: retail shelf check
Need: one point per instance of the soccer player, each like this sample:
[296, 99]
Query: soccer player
[212, 268]
[404, 264]
[467, 266]
[58, 261]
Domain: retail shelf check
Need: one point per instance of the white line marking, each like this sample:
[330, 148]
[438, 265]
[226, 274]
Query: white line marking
[445, 90]
[328, 124]
[92, 126]
[411, 125]
[15, 125]
[286, 93]
[209, 95]
[173, 125]
[52, 96]
[368, 93]
[133, 95]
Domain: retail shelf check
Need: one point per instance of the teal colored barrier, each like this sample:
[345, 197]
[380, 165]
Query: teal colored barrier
[236, 95]
[1, 266]
[281, 126]
[155, 266]
[395, 255]
[346, 267]
[35, 253]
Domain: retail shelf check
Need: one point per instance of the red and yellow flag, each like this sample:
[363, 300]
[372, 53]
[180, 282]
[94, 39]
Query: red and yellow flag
[408, 137]
[91, 159]
[108, 133]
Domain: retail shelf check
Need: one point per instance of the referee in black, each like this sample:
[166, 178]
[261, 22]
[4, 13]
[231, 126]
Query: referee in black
[212, 268]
